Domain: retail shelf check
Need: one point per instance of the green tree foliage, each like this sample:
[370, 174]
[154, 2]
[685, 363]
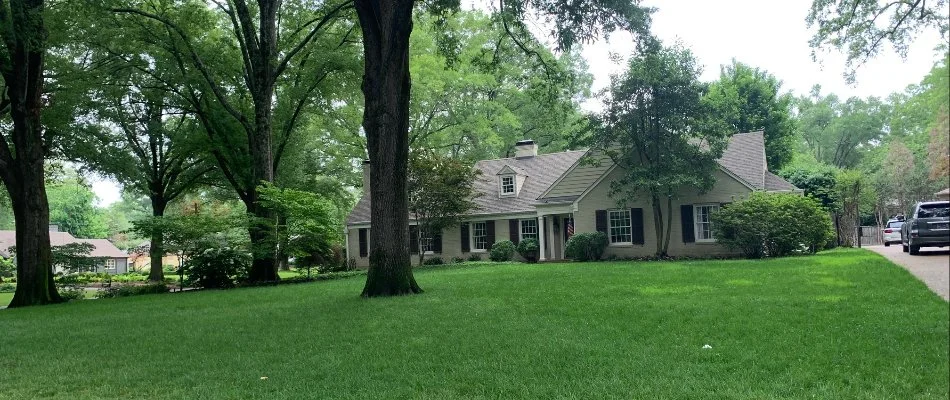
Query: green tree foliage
[308, 227]
[74, 257]
[839, 132]
[441, 191]
[860, 28]
[772, 224]
[660, 133]
[816, 179]
[72, 205]
[481, 95]
[749, 100]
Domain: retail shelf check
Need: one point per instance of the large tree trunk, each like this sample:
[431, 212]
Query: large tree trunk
[386, 26]
[263, 244]
[156, 250]
[658, 226]
[21, 163]
[33, 257]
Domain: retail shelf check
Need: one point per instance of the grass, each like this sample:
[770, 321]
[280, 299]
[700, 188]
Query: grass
[842, 325]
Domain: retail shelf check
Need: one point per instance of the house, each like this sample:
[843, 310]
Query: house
[141, 260]
[547, 196]
[943, 194]
[113, 260]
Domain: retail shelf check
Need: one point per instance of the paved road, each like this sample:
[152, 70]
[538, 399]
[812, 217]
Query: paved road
[932, 266]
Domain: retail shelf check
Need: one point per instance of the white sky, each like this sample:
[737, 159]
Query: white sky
[766, 34]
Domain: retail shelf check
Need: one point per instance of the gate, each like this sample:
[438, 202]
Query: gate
[869, 236]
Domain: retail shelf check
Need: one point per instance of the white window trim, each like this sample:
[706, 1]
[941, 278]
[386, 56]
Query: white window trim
[424, 252]
[471, 237]
[609, 242]
[501, 185]
[696, 235]
[537, 229]
[106, 264]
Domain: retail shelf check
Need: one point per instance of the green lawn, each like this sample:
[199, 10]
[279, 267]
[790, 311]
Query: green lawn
[843, 325]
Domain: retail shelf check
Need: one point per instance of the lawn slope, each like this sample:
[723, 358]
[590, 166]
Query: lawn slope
[844, 324]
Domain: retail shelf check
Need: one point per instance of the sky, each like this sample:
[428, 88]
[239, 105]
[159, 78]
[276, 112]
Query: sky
[771, 35]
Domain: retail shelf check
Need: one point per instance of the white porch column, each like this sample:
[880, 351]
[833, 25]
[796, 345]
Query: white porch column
[541, 232]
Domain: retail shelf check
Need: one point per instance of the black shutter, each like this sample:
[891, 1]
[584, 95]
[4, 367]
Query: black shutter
[466, 247]
[437, 241]
[601, 220]
[544, 232]
[686, 223]
[413, 239]
[364, 244]
[513, 228]
[636, 225]
[489, 233]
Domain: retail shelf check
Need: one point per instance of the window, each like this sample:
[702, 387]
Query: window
[426, 242]
[479, 236]
[619, 227]
[508, 184]
[110, 263]
[936, 210]
[701, 213]
[529, 229]
[894, 224]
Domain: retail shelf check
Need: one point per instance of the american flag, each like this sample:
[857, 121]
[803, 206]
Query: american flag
[570, 227]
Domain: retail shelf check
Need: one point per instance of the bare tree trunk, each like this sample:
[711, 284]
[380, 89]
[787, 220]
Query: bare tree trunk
[669, 224]
[658, 225]
[386, 26]
[34, 272]
[156, 248]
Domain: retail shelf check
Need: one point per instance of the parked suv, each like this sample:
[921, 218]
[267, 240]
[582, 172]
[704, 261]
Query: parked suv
[892, 232]
[927, 226]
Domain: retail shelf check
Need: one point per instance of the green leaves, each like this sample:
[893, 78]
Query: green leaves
[774, 225]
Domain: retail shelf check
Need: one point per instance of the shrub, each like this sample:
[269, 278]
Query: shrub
[528, 249]
[458, 260]
[773, 225]
[7, 268]
[71, 293]
[474, 258]
[433, 261]
[217, 267]
[7, 287]
[587, 246]
[131, 290]
[502, 251]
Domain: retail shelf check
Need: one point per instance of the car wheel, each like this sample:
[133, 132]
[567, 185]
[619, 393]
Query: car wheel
[914, 250]
[887, 244]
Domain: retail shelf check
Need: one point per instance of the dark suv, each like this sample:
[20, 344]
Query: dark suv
[927, 226]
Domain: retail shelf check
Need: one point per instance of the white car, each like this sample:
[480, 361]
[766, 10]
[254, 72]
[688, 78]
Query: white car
[891, 232]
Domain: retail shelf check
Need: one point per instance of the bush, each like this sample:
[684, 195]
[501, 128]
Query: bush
[458, 260]
[587, 246]
[474, 258]
[131, 290]
[72, 293]
[502, 251]
[528, 249]
[773, 225]
[217, 268]
[7, 268]
[433, 261]
[7, 287]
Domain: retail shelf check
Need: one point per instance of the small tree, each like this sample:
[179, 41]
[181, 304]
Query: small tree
[307, 231]
[659, 132]
[441, 190]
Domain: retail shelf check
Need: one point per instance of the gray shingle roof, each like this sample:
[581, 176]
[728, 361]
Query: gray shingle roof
[102, 247]
[540, 172]
[744, 157]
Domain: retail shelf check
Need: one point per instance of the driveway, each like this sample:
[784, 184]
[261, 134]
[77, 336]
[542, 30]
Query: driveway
[932, 266]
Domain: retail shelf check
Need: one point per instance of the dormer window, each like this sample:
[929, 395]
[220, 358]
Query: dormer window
[508, 185]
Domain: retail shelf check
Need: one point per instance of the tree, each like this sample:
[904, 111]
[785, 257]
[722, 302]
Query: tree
[839, 133]
[861, 27]
[22, 151]
[939, 149]
[72, 205]
[898, 167]
[749, 100]
[386, 26]
[144, 141]
[660, 133]
[308, 227]
[250, 102]
[441, 191]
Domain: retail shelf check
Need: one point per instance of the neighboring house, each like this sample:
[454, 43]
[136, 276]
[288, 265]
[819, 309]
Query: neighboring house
[114, 261]
[547, 196]
[141, 260]
[943, 194]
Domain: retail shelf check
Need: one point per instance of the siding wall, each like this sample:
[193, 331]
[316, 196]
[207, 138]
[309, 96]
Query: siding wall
[726, 190]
